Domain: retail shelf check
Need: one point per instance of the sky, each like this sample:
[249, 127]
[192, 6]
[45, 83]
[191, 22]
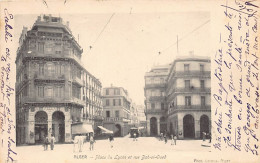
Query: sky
[126, 45]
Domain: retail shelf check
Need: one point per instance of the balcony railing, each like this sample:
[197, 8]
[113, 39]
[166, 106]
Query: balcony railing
[49, 77]
[191, 107]
[157, 98]
[63, 54]
[192, 90]
[192, 73]
[52, 100]
[155, 85]
[78, 81]
[115, 119]
[155, 111]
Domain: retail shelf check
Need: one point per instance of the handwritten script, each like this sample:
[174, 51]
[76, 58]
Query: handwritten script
[7, 123]
[236, 71]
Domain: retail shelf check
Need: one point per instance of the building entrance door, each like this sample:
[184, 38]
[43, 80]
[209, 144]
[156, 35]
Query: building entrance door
[41, 126]
[188, 126]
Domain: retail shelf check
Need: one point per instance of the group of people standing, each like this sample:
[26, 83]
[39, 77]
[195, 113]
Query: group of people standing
[48, 141]
[164, 137]
[79, 141]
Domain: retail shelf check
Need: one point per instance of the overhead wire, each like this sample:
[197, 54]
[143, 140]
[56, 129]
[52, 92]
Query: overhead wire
[105, 26]
[178, 41]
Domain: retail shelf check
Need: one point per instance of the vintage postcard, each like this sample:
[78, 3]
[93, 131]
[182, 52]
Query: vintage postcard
[129, 81]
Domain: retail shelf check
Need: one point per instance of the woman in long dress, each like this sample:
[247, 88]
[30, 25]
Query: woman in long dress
[52, 141]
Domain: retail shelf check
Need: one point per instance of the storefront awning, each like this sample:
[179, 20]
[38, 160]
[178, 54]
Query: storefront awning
[104, 130]
[81, 128]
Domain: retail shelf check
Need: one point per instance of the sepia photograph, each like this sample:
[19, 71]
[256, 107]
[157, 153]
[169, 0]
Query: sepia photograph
[126, 83]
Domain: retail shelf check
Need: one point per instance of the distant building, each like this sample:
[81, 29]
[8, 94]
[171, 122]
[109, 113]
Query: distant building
[155, 102]
[53, 89]
[117, 110]
[188, 109]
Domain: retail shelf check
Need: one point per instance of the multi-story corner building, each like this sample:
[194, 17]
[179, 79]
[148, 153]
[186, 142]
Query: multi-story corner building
[155, 99]
[117, 110]
[187, 97]
[53, 90]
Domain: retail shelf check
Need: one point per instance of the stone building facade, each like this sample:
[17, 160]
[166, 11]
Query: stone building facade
[155, 102]
[187, 94]
[53, 89]
[117, 110]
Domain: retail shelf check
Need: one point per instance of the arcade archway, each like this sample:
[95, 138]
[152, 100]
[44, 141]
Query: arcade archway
[41, 126]
[163, 125]
[153, 126]
[58, 126]
[188, 126]
[204, 125]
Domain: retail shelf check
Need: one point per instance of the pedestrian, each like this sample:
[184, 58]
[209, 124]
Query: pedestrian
[111, 140]
[80, 143]
[52, 141]
[91, 143]
[209, 137]
[76, 141]
[203, 136]
[175, 139]
[161, 136]
[165, 138]
[172, 140]
[134, 137]
[45, 143]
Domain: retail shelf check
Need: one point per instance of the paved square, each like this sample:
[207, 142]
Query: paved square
[145, 149]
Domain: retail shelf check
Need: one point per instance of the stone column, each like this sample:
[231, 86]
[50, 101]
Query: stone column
[148, 127]
[30, 139]
[29, 129]
[197, 126]
[158, 126]
[68, 122]
[49, 128]
[180, 127]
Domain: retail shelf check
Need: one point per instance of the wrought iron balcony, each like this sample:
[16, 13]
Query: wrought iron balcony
[189, 108]
[192, 90]
[155, 85]
[157, 98]
[155, 111]
[52, 77]
[192, 73]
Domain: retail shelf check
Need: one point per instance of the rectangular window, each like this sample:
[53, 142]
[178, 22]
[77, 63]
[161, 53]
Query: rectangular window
[107, 91]
[202, 84]
[41, 69]
[187, 84]
[186, 67]
[114, 102]
[201, 68]
[119, 102]
[59, 91]
[153, 105]
[41, 47]
[117, 113]
[188, 100]
[40, 91]
[162, 106]
[117, 92]
[49, 92]
[108, 114]
[203, 101]
[161, 80]
[107, 102]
